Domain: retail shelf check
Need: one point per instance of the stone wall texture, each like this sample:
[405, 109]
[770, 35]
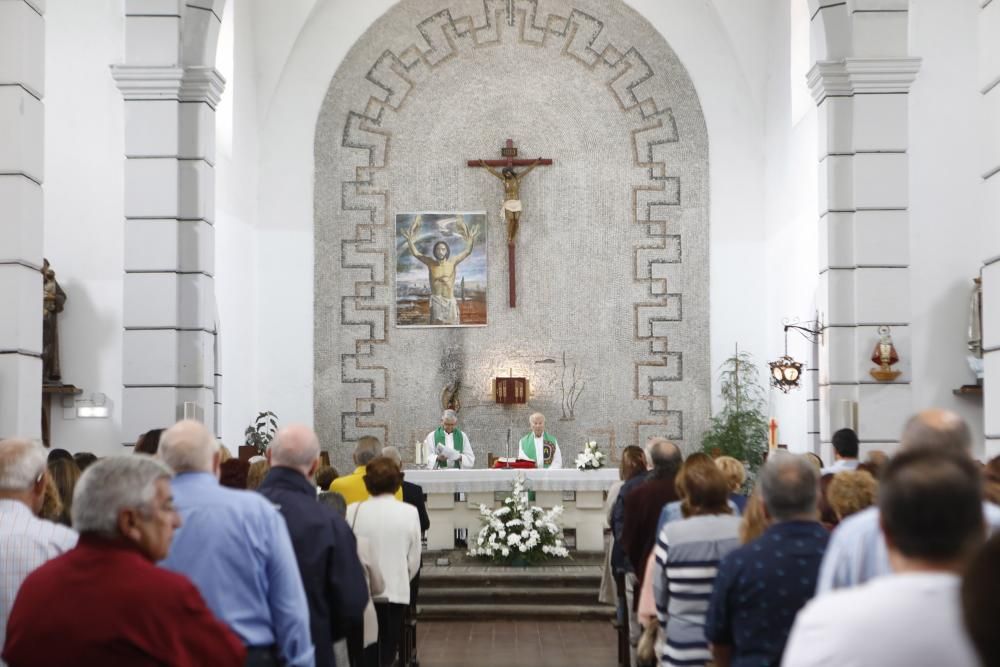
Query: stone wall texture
[613, 244]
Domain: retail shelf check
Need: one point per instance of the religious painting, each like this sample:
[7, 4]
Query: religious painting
[441, 277]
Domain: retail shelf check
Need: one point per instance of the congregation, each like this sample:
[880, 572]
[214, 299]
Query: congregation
[180, 554]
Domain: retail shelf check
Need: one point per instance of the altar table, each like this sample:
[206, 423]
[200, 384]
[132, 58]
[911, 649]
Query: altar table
[581, 494]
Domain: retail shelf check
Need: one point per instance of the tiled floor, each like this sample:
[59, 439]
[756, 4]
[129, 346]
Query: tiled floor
[516, 644]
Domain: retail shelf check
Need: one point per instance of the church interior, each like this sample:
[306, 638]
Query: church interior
[668, 228]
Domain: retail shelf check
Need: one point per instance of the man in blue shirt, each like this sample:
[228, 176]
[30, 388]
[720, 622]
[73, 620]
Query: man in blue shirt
[762, 585]
[857, 552]
[234, 546]
[324, 544]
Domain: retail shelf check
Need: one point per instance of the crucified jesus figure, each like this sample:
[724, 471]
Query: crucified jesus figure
[511, 191]
[442, 270]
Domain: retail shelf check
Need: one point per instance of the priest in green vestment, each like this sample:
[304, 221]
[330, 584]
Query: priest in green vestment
[539, 446]
[447, 446]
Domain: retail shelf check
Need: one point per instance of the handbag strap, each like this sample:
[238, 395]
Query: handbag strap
[356, 513]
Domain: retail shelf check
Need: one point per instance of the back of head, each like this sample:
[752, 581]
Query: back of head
[703, 488]
[233, 473]
[392, 454]
[84, 459]
[148, 442]
[112, 485]
[22, 463]
[325, 476]
[334, 500]
[851, 491]
[59, 454]
[734, 471]
[845, 443]
[188, 446]
[931, 504]
[295, 447]
[367, 449]
[382, 476]
[256, 474]
[789, 485]
[937, 429]
[633, 462]
[665, 457]
[65, 475]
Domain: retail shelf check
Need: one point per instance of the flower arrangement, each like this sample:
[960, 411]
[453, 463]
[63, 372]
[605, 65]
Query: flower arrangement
[590, 458]
[517, 531]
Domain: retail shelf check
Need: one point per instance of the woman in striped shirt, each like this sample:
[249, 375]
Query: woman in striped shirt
[687, 559]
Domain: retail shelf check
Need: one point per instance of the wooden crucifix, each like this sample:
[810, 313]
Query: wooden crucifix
[511, 180]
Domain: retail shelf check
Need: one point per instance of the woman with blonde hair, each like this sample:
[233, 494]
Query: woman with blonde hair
[259, 468]
[736, 474]
[851, 491]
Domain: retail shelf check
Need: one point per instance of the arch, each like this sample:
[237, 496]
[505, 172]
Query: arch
[286, 205]
[557, 63]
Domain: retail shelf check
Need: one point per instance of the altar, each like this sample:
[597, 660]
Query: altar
[581, 494]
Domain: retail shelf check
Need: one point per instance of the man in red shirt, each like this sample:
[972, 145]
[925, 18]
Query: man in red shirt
[106, 602]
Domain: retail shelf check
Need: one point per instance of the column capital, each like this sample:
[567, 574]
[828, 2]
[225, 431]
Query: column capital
[183, 84]
[850, 76]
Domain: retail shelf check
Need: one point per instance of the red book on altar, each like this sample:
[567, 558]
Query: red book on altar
[519, 464]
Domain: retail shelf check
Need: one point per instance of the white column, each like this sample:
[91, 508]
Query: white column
[863, 191]
[989, 80]
[22, 85]
[169, 294]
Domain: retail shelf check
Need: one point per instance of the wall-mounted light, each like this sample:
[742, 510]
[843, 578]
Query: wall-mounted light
[95, 407]
[785, 371]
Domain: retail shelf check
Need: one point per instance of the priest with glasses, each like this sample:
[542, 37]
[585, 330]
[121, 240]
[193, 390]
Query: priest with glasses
[447, 446]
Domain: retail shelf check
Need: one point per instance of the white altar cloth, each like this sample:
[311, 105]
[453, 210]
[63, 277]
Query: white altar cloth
[477, 480]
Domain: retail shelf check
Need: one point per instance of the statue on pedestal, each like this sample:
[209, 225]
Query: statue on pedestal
[975, 337]
[53, 303]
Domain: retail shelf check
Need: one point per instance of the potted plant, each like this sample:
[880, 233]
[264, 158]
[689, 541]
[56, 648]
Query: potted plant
[740, 428]
[260, 433]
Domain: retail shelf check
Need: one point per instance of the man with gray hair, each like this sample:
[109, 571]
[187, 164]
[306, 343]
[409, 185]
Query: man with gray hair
[352, 487]
[857, 551]
[25, 540]
[106, 602]
[447, 446]
[235, 547]
[761, 586]
[324, 544]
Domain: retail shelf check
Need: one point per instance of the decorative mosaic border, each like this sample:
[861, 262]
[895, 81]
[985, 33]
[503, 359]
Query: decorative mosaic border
[655, 205]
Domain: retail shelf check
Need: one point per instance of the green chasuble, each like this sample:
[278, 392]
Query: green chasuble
[528, 447]
[439, 436]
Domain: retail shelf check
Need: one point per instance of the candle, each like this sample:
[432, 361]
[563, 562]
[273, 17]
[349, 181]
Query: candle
[418, 453]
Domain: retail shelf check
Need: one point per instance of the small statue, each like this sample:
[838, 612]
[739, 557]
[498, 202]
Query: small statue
[885, 356]
[975, 337]
[511, 191]
[54, 300]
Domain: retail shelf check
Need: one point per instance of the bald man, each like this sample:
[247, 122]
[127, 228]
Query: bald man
[324, 544]
[857, 551]
[234, 546]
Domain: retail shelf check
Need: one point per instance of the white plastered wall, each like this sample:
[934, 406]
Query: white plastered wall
[84, 235]
[762, 185]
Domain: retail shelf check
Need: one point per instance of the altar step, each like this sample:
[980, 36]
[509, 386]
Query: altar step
[482, 592]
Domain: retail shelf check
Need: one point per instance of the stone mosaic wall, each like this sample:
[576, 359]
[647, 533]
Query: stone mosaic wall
[613, 245]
